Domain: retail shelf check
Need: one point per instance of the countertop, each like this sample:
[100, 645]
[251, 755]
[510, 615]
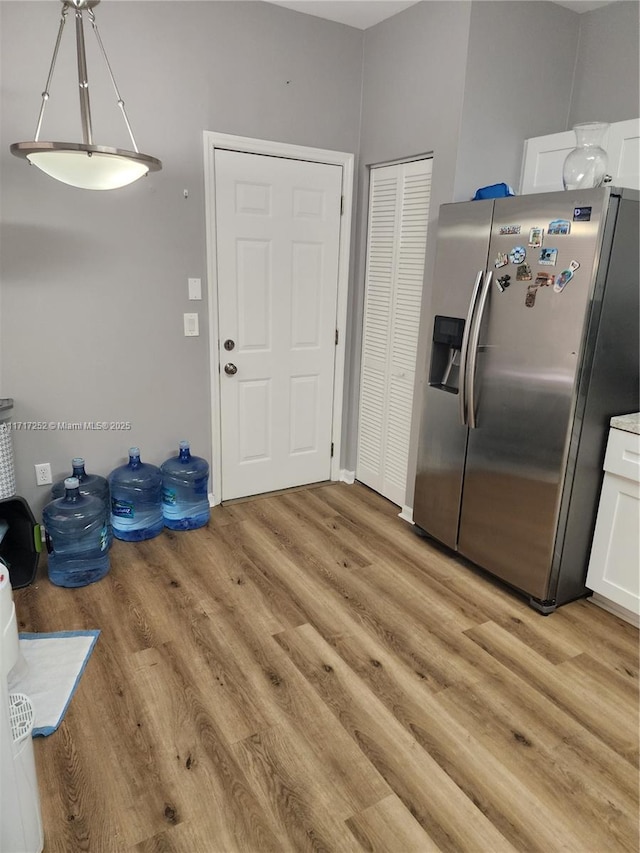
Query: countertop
[628, 423]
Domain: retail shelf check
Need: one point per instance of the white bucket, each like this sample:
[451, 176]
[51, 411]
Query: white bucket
[7, 471]
[21, 717]
[9, 649]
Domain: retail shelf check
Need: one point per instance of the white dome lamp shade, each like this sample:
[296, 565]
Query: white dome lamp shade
[84, 164]
[89, 167]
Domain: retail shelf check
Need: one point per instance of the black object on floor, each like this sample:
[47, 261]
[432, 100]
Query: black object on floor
[21, 545]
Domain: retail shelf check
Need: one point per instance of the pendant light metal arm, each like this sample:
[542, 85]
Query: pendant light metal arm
[92, 18]
[45, 94]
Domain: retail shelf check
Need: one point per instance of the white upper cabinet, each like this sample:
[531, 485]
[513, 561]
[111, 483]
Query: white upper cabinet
[544, 157]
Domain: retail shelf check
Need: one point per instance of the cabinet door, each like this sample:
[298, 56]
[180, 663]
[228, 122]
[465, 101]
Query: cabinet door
[615, 554]
[543, 159]
[624, 154]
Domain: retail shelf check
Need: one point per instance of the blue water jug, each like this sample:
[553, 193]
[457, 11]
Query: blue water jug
[90, 484]
[136, 499]
[185, 490]
[76, 535]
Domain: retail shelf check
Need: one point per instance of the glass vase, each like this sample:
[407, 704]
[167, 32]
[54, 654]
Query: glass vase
[586, 165]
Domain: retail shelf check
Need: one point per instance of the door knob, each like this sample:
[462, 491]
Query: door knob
[229, 344]
[230, 369]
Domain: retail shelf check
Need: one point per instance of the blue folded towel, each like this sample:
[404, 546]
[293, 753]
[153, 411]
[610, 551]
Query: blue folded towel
[49, 673]
[493, 191]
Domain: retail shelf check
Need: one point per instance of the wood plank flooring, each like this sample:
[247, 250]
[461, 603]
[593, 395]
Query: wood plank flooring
[308, 674]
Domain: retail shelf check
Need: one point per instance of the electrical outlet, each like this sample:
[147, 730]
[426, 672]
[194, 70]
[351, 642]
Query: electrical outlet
[43, 473]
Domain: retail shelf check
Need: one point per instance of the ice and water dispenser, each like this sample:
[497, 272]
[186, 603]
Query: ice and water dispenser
[444, 372]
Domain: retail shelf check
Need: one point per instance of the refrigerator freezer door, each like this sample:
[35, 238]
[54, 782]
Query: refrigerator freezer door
[530, 350]
[461, 258]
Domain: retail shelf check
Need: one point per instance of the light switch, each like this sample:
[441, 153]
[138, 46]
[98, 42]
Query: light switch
[195, 288]
[191, 325]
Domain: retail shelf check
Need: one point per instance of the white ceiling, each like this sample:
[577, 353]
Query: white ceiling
[355, 13]
[366, 13]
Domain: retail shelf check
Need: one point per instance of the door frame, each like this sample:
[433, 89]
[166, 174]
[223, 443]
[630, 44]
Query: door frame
[213, 140]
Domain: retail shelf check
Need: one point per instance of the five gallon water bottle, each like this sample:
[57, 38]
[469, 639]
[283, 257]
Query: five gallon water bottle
[136, 499]
[76, 532]
[185, 490]
[90, 484]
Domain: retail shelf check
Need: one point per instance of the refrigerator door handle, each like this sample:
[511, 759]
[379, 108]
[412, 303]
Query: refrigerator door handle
[473, 350]
[464, 350]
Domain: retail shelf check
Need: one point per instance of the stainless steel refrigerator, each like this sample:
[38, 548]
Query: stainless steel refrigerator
[535, 346]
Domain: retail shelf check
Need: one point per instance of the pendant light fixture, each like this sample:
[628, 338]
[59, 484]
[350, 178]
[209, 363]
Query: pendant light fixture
[84, 164]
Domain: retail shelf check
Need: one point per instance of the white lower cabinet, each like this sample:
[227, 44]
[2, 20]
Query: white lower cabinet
[614, 565]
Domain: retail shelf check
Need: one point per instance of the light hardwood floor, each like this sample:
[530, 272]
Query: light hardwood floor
[308, 674]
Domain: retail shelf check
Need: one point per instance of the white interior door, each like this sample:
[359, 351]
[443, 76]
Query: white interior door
[278, 240]
[399, 198]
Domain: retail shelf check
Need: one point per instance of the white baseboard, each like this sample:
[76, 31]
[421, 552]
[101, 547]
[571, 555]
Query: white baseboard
[615, 608]
[407, 514]
[212, 499]
[347, 476]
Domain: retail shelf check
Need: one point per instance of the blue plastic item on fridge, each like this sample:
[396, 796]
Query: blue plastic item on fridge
[76, 536]
[493, 191]
[136, 499]
[90, 484]
[185, 490]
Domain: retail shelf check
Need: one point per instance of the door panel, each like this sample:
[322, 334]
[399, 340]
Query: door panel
[253, 284]
[254, 418]
[306, 290]
[277, 237]
[304, 414]
[528, 361]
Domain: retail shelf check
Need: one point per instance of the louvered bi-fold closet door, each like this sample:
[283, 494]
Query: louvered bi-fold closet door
[399, 198]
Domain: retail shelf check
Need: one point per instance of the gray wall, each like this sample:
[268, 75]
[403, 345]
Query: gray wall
[525, 66]
[535, 68]
[94, 285]
[412, 91]
[455, 79]
[607, 67]
[518, 84]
